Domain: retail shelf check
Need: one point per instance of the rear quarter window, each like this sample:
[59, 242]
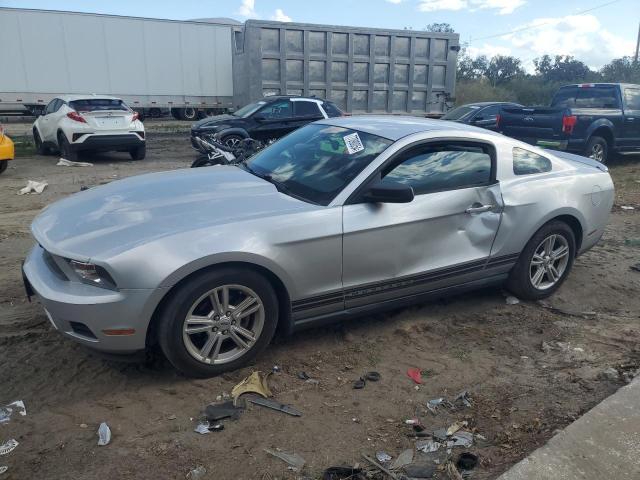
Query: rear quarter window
[528, 163]
[331, 109]
[96, 104]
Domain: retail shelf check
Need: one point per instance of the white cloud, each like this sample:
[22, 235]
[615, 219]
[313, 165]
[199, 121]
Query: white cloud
[504, 7]
[280, 16]
[395, 1]
[488, 50]
[248, 9]
[581, 36]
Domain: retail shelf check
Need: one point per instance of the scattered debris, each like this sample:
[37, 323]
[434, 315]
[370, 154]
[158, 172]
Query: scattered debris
[303, 376]
[359, 384]
[467, 461]
[205, 427]
[464, 398]
[455, 427]
[343, 473]
[7, 411]
[254, 383]
[420, 470]
[275, 369]
[275, 405]
[412, 421]
[453, 472]
[383, 457]
[627, 207]
[372, 376]
[415, 374]
[611, 374]
[461, 439]
[63, 162]
[33, 187]
[440, 434]
[104, 434]
[219, 411]
[511, 300]
[405, 458]
[295, 461]
[171, 417]
[428, 446]
[380, 467]
[83, 425]
[8, 446]
[434, 403]
[197, 473]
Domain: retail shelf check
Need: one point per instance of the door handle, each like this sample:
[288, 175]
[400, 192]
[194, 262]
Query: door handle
[478, 208]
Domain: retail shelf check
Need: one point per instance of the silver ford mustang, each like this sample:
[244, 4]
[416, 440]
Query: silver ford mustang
[342, 217]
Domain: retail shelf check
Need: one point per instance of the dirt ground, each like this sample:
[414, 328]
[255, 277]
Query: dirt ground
[522, 390]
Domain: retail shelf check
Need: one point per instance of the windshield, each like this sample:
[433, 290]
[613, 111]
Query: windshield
[316, 162]
[460, 112]
[96, 104]
[247, 110]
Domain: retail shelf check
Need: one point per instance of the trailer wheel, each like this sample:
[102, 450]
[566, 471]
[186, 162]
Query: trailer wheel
[189, 113]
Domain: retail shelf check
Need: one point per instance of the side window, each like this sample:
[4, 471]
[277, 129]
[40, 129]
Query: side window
[58, 105]
[51, 107]
[597, 97]
[434, 168]
[331, 109]
[306, 109]
[566, 97]
[277, 109]
[488, 113]
[527, 163]
[632, 98]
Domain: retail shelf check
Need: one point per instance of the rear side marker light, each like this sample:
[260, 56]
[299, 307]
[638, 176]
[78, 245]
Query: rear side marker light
[119, 331]
[568, 122]
[76, 117]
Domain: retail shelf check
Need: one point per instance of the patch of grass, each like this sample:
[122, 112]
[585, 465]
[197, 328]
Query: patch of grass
[24, 146]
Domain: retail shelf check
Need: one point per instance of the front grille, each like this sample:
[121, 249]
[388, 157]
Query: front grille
[82, 329]
[53, 266]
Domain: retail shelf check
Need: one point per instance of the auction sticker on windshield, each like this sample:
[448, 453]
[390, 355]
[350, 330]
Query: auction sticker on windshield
[353, 143]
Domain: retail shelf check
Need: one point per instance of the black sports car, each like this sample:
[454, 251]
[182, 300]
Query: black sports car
[481, 114]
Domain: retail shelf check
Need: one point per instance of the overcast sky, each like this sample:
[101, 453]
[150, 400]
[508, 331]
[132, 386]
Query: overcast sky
[541, 26]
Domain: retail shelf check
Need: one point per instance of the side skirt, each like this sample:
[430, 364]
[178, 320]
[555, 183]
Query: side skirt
[397, 303]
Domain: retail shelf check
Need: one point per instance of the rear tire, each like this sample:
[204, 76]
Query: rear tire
[533, 277]
[597, 149]
[138, 153]
[195, 298]
[65, 148]
[3, 165]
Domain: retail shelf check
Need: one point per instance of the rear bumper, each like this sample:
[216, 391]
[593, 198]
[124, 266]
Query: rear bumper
[83, 312]
[108, 142]
[7, 149]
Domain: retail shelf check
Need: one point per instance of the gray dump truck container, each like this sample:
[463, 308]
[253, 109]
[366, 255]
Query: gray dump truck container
[360, 69]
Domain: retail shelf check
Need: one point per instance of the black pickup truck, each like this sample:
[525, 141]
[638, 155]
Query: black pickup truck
[590, 119]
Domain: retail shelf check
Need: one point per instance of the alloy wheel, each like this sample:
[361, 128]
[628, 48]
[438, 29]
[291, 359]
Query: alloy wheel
[549, 262]
[232, 142]
[597, 152]
[223, 324]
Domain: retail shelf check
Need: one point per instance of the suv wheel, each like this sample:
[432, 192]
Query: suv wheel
[544, 263]
[218, 321]
[597, 149]
[37, 141]
[232, 141]
[65, 148]
[138, 153]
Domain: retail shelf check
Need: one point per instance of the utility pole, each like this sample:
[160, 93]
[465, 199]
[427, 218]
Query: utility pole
[635, 58]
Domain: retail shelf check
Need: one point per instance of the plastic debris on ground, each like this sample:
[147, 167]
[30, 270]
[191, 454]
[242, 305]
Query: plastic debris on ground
[219, 411]
[254, 383]
[33, 187]
[204, 428]
[405, 458]
[295, 461]
[7, 410]
[433, 404]
[420, 470]
[197, 473]
[428, 446]
[275, 405]
[63, 162]
[383, 457]
[463, 398]
[343, 473]
[455, 427]
[380, 467]
[511, 300]
[415, 374]
[627, 207]
[461, 439]
[8, 446]
[104, 434]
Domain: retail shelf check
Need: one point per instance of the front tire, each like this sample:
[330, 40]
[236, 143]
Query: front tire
[597, 149]
[138, 153]
[544, 263]
[37, 141]
[218, 321]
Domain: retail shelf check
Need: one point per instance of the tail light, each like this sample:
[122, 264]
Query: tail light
[568, 122]
[76, 117]
[498, 120]
[135, 117]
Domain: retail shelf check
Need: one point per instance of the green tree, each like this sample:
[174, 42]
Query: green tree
[439, 28]
[503, 68]
[562, 68]
[621, 70]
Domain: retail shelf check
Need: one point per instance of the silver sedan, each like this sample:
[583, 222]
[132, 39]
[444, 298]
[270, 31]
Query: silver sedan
[342, 217]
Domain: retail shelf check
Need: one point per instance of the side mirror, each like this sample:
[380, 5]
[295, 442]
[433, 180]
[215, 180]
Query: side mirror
[258, 117]
[388, 192]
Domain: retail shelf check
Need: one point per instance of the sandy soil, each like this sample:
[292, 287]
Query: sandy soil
[522, 392]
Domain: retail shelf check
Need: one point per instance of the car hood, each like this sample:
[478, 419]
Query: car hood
[215, 120]
[107, 220]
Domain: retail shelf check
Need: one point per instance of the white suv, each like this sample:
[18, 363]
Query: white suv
[72, 123]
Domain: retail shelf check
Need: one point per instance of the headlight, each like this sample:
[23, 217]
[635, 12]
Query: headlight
[92, 274]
